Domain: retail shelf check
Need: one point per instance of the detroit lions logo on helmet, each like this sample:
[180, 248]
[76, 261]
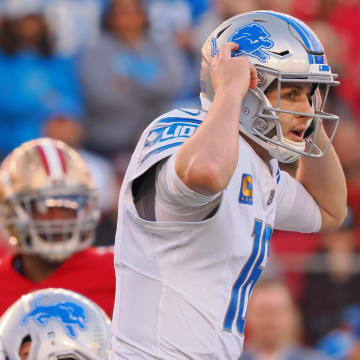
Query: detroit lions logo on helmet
[68, 314]
[252, 39]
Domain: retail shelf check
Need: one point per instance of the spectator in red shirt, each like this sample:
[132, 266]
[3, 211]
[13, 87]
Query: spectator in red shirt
[49, 209]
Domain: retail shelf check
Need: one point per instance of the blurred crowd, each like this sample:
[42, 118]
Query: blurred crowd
[95, 73]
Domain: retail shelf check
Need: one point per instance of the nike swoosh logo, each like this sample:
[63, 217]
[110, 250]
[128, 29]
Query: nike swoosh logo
[197, 113]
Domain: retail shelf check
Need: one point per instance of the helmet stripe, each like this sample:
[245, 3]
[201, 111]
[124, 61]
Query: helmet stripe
[299, 29]
[52, 159]
[43, 158]
[315, 43]
[62, 160]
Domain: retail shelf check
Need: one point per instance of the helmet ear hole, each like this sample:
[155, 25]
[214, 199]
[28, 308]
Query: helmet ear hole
[252, 106]
[249, 110]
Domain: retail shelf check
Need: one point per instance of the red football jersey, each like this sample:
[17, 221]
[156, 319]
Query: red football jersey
[89, 272]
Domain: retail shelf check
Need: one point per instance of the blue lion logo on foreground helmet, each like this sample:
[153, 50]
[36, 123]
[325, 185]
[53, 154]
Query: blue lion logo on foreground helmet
[252, 39]
[68, 314]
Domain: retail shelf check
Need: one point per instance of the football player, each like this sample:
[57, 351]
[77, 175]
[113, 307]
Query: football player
[49, 211]
[54, 324]
[203, 191]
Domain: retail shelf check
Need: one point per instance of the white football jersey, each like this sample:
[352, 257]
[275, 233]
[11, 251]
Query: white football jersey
[183, 288]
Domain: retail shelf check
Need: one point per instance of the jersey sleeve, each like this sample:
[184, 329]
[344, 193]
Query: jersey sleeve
[174, 201]
[296, 208]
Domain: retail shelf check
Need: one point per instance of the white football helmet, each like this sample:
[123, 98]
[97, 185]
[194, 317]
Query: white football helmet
[59, 324]
[39, 180]
[283, 50]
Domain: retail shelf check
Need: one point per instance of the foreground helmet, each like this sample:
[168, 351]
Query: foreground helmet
[282, 49]
[56, 324]
[39, 178]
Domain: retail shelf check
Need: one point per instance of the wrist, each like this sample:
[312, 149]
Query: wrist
[230, 94]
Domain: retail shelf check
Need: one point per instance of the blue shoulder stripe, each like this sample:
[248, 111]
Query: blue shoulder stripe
[178, 119]
[167, 133]
[160, 149]
[196, 113]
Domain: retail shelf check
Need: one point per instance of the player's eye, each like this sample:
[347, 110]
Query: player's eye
[289, 94]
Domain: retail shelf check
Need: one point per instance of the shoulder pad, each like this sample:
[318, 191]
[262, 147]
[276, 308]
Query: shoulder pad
[164, 135]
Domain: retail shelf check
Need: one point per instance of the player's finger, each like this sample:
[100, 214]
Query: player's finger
[253, 77]
[226, 49]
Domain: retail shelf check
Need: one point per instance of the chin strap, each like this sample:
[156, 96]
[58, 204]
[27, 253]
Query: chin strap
[285, 155]
[278, 152]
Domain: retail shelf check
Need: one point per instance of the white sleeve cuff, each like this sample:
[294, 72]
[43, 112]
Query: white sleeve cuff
[175, 200]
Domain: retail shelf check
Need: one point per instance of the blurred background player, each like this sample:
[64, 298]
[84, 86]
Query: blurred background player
[49, 211]
[54, 324]
[274, 326]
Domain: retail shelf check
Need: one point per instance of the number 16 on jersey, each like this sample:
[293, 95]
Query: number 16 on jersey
[248, 277]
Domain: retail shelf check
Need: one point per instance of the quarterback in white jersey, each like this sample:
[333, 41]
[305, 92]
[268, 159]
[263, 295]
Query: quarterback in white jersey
[203, 191]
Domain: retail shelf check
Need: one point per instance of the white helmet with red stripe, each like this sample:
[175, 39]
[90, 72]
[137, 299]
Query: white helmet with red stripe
[48, 204]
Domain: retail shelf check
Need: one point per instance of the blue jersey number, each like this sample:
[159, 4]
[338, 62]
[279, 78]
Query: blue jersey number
[248, 277]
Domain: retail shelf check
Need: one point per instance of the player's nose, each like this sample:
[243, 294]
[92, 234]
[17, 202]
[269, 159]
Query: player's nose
[304, 106]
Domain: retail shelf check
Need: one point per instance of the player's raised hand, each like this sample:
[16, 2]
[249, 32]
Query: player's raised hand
[229, 73]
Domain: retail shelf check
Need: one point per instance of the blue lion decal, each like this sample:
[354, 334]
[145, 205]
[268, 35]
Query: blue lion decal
[252, 39]
[68, 314]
